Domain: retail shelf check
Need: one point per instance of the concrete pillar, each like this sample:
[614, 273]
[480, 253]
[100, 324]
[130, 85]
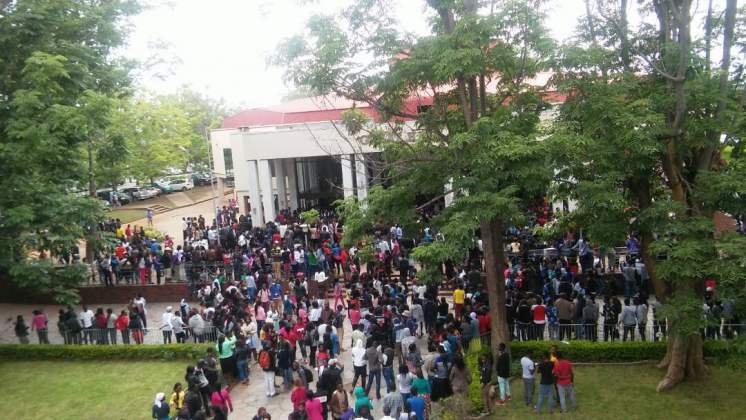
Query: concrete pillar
[313, 175]
[347, 187]
[268, 197]
[282, 196]
[221, 191]
[361, 177]
[257, 213]
[292, 184]
[449, 196]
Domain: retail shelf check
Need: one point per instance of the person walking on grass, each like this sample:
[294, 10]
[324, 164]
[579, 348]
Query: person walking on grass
[528, 367]
[485, 380]
[546, 384]
[503, 375]
[565, 382]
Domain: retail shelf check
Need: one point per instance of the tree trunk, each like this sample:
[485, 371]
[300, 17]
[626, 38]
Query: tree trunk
[89, 250]
[684, 359]
[494, 262]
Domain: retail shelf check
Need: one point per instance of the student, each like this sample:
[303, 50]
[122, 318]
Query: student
[160, 407]
[21, 330]
[503, 374]
[176, 402]
[485, 380]
[417, 405]
[313, 407]
[546, 383]
[565, 380]
[528, 367]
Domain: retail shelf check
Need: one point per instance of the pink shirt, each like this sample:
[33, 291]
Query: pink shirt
[260, 314]
[39, 322]
[354, 316]
[313, 409]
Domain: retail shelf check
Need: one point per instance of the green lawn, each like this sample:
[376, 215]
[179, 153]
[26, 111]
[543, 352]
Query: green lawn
[628, 392]
[126, 215]
[85, 390]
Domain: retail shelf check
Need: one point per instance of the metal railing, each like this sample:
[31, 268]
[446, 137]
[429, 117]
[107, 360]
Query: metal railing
[112, 336]
[611, 332]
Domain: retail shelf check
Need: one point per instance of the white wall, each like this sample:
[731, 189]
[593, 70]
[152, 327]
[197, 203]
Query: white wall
[220, 139]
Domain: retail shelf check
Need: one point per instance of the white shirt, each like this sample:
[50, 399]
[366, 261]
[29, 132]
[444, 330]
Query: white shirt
[314, 314]
[140, 302]
[387, 418]
[358, 356]
[86, 318]
[166, 321]
[528, 367]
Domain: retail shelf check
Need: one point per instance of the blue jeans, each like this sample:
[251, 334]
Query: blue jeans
[565, 392]
[374, 374]
[287, 376]
[251, 291]
[629, 289]
[504, 384]
[545, 391]
[388, 375]
[243, 373]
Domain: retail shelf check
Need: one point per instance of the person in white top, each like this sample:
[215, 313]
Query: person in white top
[140, 303]
[166, 325]
[86, 320]
[529, 367]
[359, 363]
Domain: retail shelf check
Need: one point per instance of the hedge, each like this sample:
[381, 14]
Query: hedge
[96, 352]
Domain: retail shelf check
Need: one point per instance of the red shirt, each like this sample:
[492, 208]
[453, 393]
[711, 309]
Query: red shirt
[298, 397]
[39, 322]
[290, 336]
[563, 371]
[484, 323]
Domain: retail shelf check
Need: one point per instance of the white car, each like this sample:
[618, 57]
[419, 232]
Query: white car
[181, 184]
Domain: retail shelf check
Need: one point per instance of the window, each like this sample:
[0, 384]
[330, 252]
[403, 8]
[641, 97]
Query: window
[228, 161]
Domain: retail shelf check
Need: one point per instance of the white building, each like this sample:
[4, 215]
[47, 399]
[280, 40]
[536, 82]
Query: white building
[297, 155]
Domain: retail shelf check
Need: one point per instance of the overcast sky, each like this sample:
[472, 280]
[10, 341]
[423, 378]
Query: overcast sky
[220, 47]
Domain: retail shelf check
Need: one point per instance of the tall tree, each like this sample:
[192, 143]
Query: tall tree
[481, 143]
[640, 145]
[57, 54]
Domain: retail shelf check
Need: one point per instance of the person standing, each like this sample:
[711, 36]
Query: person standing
[528, 367]
[39, 323]
[166, 325]
[359, 364]
[267, 363]
[86, 320]
[21, 330]
[374, 357]
[460, 376]
[628, 319]
[503, 374]
[485, 380]
[458, 300]
[565, 381]
[641, 312]
[590, 319]
[546, 384]
[111, 324]
[161, 409]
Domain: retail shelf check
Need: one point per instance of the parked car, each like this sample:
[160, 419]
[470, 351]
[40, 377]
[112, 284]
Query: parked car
[108, 194]
[141, 193]
[202, 179]
[164, 187]
[181, 184]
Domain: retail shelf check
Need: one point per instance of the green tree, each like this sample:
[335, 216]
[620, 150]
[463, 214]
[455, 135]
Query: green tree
[639, 146]
[484, 145]
[57, 57]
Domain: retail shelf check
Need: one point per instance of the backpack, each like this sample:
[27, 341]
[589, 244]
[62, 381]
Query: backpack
[308, 373]
[264, 359]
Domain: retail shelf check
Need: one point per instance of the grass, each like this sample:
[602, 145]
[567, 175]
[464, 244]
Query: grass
[126, 215]
[85, 390]
[628, 392]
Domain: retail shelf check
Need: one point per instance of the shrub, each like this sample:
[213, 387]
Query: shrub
[96, 352]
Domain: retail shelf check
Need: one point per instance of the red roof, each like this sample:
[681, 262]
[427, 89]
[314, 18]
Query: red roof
[330, 108]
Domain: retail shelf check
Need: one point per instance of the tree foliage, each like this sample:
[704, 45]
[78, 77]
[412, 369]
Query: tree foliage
[56, 71]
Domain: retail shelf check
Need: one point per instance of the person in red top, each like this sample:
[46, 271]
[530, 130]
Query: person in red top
[39, 323]
[484, 322]
[565, 380]
[298, 395]
[122, 323]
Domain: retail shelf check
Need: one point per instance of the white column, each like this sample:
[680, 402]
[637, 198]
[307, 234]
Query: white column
[282, 196]
[347, 187]
[268, 197]
[361, 177]
[449, 196]
[257, 214]
[292, 185]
